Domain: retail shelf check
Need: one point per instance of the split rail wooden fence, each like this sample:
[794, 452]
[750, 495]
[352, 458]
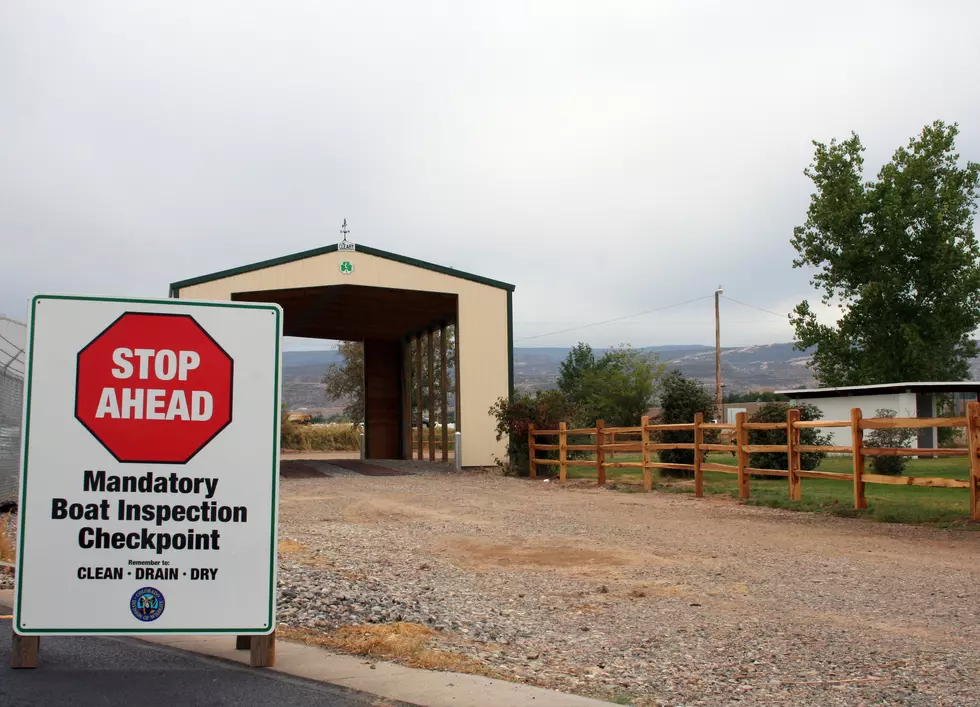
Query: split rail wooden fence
[793, 448]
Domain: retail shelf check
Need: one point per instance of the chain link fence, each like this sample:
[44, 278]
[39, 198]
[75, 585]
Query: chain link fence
[13, 338]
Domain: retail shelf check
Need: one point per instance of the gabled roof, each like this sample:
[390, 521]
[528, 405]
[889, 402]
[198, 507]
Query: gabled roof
[882, 388]
[282, 260]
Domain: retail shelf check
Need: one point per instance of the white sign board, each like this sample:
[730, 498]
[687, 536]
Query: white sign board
[149, 480]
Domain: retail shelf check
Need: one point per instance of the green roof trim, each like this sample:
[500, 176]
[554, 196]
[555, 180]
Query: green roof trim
[175, 287]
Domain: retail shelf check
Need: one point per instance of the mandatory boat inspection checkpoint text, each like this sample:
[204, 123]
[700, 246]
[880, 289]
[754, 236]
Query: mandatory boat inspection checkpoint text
[207, 511]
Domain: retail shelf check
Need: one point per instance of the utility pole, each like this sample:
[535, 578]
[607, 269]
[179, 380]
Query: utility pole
[718, 398]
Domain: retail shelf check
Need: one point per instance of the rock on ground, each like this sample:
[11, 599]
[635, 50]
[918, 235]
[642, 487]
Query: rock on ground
[648, 599]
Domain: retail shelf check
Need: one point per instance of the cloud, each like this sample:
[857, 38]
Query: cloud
[607, 158]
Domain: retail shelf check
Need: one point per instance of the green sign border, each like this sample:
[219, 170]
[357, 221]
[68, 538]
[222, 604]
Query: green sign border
[270, 626]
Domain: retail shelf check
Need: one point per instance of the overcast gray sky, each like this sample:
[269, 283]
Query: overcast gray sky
[606, 157]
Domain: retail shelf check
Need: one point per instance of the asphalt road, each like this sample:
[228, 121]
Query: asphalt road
[124, 672]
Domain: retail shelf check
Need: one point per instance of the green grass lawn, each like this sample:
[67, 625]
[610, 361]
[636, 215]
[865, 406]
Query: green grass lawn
[886, 503]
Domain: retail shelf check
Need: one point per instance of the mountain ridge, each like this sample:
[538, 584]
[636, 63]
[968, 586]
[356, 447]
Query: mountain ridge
[756, 367]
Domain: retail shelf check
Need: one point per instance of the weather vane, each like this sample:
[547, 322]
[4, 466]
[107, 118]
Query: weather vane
[345, 244]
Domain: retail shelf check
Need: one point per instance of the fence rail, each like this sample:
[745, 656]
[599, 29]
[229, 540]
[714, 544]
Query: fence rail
[605, 446]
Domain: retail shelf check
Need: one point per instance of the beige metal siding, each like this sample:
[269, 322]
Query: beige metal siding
[482, 334]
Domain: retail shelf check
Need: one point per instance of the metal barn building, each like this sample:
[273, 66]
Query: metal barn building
[391, 303]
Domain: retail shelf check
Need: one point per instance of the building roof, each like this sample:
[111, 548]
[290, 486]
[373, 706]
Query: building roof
[13, 341]
[176, 286]
[885, 388]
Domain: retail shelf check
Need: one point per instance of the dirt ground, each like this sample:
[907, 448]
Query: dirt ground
[643, 598]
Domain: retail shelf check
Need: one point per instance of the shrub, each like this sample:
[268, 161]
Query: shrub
[898, 437]
[680, 400]
[545, 409]
[776, 412]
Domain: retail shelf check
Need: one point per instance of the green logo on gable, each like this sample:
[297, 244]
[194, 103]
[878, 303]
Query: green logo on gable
[346, 267]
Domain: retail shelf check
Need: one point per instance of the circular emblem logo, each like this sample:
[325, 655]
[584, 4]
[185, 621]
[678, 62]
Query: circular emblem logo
[147, 604]
[346, 267]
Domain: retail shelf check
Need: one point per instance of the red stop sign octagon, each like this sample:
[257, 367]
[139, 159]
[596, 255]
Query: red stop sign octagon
[154, 388]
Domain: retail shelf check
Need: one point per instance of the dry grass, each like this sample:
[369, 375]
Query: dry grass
[303, 555]
[7, 553]
[405, 643]
[321, 438]
[287, 546]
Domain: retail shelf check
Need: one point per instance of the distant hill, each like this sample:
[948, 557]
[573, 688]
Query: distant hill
[767, 366]
[762, 367]
[302, 375]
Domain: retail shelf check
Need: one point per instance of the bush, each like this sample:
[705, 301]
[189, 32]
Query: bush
[544, 408]
[901, 437]
[680, 400]
[776, 412]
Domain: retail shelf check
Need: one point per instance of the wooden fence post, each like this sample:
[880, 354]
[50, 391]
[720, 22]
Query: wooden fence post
[532, 467]
[857, 442]
[793, 458]
[562, 452]
[600, 453]
[698, 441]
[742, 439]
[644, 441]
[972, 442]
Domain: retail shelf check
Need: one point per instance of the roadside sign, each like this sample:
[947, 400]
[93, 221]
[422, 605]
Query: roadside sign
[149, 480]
[142, 379]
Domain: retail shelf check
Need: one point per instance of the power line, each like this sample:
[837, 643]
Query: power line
[615, 319]
[752, 306]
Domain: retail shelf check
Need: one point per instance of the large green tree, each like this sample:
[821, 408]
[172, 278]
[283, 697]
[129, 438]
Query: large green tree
[345, 380]
[572, 371]
[620, 386]
[898, 255]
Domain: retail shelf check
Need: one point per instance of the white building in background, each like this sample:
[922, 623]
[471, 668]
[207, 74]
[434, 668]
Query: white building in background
[906, 399]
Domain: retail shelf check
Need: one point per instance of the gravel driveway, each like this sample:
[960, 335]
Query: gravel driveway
[642, 598]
